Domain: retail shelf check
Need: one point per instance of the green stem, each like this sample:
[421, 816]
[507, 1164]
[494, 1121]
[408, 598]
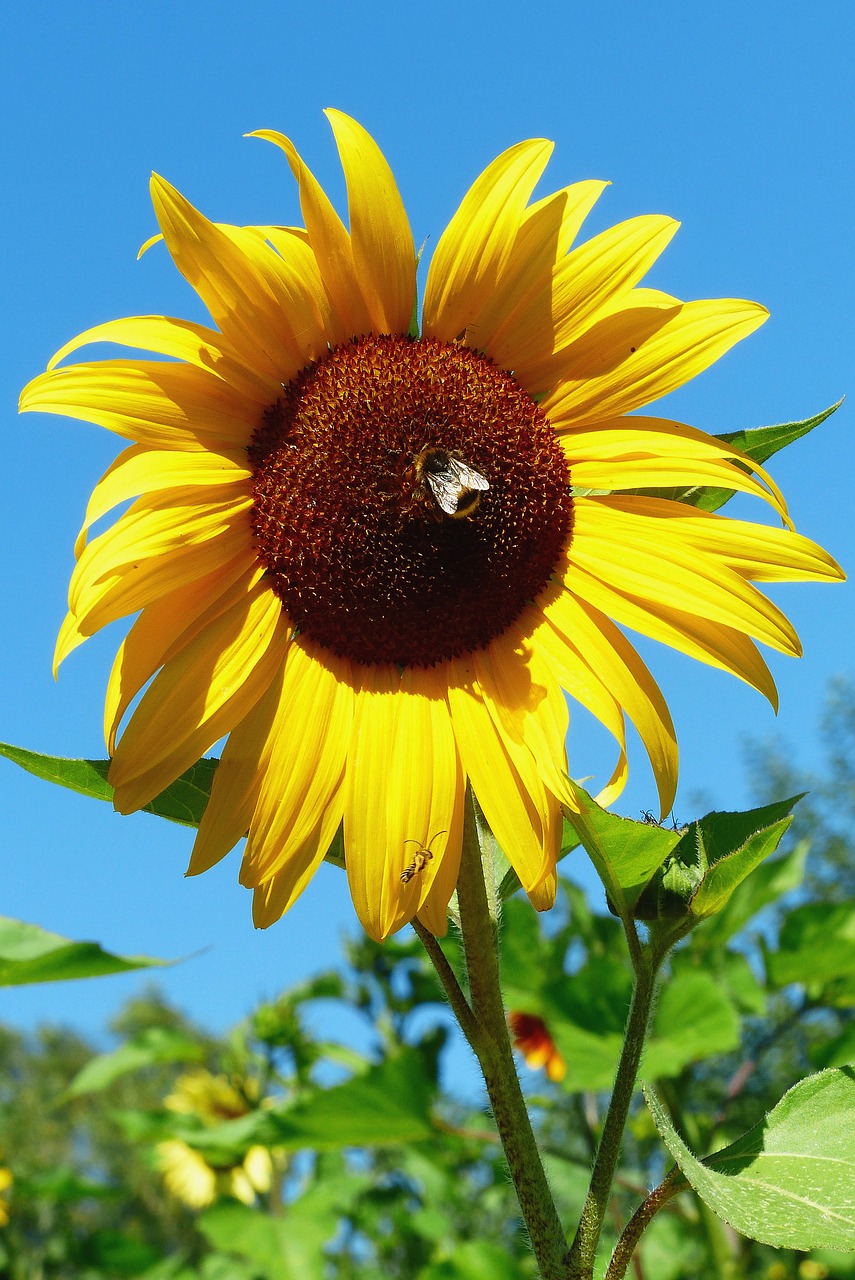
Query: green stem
[492, 1047]
[448, 978]
[587, 1238]
[643, 1216]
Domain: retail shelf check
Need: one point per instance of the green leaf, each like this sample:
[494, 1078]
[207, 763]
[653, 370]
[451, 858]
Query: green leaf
[758, 443]
[389, 1104]
[789, 1181]
[730, 970]
[155, 1044]
[673, 1249]
[585, 1012]
[474, 1260]
[766, 885]
[694, 1020]
[184, 801]
[30, 954]
[625, 853]
[838, 1052]
[386, 1105]
[525, 957]
[816, 945]
[118, 1254]
[292, 1245]
[62, 1185]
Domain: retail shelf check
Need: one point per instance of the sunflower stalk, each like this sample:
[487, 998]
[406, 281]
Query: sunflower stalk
[488, 1037]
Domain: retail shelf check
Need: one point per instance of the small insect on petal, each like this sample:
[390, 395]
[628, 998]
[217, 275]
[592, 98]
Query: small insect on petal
[422, 858]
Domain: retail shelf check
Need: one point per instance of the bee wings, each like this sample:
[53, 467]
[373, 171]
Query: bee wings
[452, 481]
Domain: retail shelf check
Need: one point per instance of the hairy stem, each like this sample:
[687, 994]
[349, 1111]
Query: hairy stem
[448, 978]
[587, 1237]
[492, 1047]
[643, 1216]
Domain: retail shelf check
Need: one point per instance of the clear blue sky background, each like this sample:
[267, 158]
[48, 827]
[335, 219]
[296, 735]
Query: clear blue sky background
[735, 118]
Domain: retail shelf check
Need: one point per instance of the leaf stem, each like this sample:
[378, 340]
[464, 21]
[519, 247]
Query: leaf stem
[587, 1237]
[643, 1216]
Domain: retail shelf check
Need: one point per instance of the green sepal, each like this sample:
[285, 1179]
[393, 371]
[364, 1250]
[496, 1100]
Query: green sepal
[714, 855]
[414, 330]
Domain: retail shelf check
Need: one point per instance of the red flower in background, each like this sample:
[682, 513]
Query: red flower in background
[532, 1038]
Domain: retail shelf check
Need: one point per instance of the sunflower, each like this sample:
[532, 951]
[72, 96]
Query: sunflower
[376, 553]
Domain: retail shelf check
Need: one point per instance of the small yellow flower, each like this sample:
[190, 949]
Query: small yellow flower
[532, 1038]
[190, 1178]
[213, 1098]
[5, 1184]
[376, 560]
[187, 1174]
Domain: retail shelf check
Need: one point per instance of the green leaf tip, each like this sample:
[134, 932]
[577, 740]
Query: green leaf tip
[29, 954]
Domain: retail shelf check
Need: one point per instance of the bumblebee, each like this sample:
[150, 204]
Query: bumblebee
[422, 858]
[454, 486]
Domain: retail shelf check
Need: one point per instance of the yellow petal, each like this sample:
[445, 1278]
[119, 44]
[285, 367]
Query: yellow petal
[585, 281]
[550, 225]
[142, 470]
[301, 287]
[756, 551]
[519, 811]
[477, 244]
[182, 340]
[528, 708]
[164, 627]
[546, 232]
[583, 683]
[165, 406]
[301, 307]
[717, 645]
[234, 276]
[607, 651]
[237, 781]
[161, 543]
[384, 255]
[202, 693]
[632, 357]
[648, 563]
[402, 790]
[273, 898]
[310, 739]
[434, 891]
[542, 896]
[653, 452]
[329, 239]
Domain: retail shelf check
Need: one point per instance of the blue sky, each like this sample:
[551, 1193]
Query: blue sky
[736, 119]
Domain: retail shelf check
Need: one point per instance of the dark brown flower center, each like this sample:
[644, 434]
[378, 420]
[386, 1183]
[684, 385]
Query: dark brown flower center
[409, 500]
